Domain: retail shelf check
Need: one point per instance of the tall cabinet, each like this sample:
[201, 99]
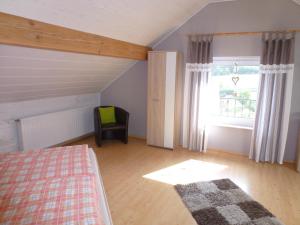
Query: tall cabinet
[164, 98]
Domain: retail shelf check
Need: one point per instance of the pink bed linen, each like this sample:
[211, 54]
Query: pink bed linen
[53, 186]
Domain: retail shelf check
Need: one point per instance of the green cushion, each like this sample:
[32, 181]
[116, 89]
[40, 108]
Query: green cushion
[107, 115]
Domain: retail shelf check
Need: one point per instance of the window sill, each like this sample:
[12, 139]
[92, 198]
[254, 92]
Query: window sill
[232, 126]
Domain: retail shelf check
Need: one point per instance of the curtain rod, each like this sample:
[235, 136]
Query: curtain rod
[247, 33]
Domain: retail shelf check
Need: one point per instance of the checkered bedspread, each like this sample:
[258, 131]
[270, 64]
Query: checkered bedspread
[53, 186]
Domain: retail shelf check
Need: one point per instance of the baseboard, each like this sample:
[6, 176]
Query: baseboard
[177, 147]
[89, 135]
[222, 151]
[290, 161]
[73, 140]
[137, 137]
[227, 152]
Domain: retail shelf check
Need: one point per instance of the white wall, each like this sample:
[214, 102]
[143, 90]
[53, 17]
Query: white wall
[9, 112]
[234, 140]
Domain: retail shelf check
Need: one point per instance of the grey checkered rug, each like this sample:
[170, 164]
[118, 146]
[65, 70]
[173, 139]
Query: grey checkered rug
[221, 202]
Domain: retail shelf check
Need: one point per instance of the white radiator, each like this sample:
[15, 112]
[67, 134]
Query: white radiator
[53, 128]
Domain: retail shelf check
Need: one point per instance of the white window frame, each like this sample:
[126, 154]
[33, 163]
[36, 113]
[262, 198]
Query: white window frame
[241, 61]
[231, 61]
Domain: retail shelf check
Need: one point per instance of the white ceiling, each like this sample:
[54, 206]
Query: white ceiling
[32, 73]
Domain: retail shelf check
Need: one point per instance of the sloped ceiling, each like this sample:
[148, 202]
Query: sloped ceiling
[32, 73]
[27, 73]
[136, 21]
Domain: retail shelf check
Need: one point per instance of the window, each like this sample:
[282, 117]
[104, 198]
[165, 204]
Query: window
[234, 85]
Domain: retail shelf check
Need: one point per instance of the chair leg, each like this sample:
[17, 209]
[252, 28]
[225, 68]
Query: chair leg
[125, 140]
[98, 140]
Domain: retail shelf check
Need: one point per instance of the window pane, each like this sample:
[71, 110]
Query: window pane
[225, 70]
[230, 100]
[246, 70]
[220, 70]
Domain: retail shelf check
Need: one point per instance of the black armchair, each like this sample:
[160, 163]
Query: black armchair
[118, 130]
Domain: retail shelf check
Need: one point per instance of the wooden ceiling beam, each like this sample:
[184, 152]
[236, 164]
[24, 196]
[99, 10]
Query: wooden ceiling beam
[15, 30]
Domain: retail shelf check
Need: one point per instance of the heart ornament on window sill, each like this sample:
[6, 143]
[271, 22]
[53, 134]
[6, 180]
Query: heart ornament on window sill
[235, 80]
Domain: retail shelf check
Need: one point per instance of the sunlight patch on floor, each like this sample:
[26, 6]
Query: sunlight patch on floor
[188, 172]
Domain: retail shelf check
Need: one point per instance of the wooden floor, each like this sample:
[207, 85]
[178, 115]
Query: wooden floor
[138, 181]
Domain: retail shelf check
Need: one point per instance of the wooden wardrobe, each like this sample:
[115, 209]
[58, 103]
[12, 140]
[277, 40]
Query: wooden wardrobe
[164, 98]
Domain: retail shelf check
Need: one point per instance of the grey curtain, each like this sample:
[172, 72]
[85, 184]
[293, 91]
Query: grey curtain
[200, 49]
[195, 114]
[274, 97]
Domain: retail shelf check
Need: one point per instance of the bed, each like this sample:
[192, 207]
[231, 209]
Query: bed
[59, 185]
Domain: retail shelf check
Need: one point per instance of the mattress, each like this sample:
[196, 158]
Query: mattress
[106, 216]
[52, 186]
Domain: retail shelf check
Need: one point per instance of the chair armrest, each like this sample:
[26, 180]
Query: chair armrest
[122, 116]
